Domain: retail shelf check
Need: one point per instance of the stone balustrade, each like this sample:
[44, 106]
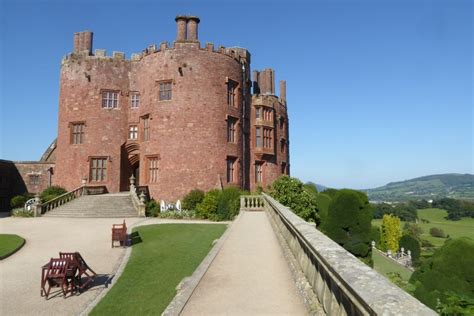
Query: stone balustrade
[251, 203]
[343, 284]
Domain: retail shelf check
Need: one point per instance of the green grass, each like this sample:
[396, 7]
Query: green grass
[384, 265]
[167, 254]
[9, 244]
[436, 218]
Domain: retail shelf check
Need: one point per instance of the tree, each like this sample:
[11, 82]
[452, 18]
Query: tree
[290, 192]
[413, 230]
[391, 232]
[323, 202]
[349, 221]
[449, 271]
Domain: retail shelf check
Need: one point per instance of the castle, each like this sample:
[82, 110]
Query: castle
[177, 117]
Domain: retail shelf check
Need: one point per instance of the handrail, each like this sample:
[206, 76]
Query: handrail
[342, 283]
[69, 196]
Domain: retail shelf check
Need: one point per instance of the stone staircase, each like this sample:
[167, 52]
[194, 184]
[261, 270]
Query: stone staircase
[103, 205]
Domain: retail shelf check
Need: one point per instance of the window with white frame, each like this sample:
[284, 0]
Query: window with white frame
[109, 99]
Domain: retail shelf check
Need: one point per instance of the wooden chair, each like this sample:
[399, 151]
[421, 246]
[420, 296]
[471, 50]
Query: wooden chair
[82, 268]
[57, 273]
[119, 233]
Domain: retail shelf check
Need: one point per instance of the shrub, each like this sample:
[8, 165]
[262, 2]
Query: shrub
[290, 192]
[21, 212]
[411, 243]
[228, 205]
[208, 204]
[51, 193]
[437, 232]
[449, 270]
[152, 208]
[391, 233]
[349, 221]
[20, 200]
[426, 243]
[192, 199]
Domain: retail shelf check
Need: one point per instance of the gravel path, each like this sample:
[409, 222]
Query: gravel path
[249, 276]
[20, 274]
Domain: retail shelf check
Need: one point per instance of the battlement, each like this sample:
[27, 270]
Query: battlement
[187, 38]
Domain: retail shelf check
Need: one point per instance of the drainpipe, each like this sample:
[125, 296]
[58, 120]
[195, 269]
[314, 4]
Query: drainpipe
[244, 126]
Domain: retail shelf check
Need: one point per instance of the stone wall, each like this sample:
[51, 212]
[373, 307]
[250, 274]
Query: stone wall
[343, 284]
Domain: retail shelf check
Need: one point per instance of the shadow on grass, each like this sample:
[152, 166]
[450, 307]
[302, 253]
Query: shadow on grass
[135, 238]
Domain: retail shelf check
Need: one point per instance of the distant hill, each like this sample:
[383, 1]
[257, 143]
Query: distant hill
[453, 185]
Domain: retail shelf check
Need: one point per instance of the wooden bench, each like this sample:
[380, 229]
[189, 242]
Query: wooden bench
[119, 233]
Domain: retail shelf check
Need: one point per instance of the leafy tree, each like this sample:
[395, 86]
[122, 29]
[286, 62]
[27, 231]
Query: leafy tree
[349, 221]
[192, 199]
[456, 305]
[413, 230]
[406, 212]
[51, 193]
[391, 232]
[456, 208]
[450, 270]
[290, 192]
[411, 243]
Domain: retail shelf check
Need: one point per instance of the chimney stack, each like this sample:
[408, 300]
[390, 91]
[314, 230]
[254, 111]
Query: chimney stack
[181, 22]
[283, 91]
[187, 28]
[193, 22]
[83, 42]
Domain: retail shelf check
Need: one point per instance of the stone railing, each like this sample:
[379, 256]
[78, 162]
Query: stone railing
[138, 201]
[41, 208]
[251, 203]
[343, 284]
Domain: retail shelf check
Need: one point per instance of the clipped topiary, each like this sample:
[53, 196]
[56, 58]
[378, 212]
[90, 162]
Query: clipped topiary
[450, 270]
[192, 199]
[349, 221]
[411, 243]
[323, 201]
[51, 193]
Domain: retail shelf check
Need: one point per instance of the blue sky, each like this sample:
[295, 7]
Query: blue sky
[377, 91]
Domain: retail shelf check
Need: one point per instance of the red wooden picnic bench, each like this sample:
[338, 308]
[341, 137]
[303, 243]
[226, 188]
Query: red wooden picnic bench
[83, 268]
[119, 233]
[58, 273]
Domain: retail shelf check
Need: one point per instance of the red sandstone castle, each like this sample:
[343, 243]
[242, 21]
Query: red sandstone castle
[177, 118]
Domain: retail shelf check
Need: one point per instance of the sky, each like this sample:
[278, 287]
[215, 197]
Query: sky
[377, 90]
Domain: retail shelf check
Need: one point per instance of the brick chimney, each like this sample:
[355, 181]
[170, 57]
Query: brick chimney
[193, 22]
[83, 42]
[283, 91]
[187, 28]
[181, 22]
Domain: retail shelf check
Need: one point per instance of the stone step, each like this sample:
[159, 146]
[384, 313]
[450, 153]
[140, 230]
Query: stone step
[104, 205]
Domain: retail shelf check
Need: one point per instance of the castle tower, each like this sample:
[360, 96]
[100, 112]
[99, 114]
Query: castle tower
[178, 118]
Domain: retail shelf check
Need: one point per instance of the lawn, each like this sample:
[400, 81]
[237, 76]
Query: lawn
[384, 265]
[9, 244]
[167, 254]
[435, 216]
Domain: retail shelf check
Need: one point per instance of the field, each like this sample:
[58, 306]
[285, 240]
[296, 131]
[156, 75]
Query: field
[166, 254]
[455, 229]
